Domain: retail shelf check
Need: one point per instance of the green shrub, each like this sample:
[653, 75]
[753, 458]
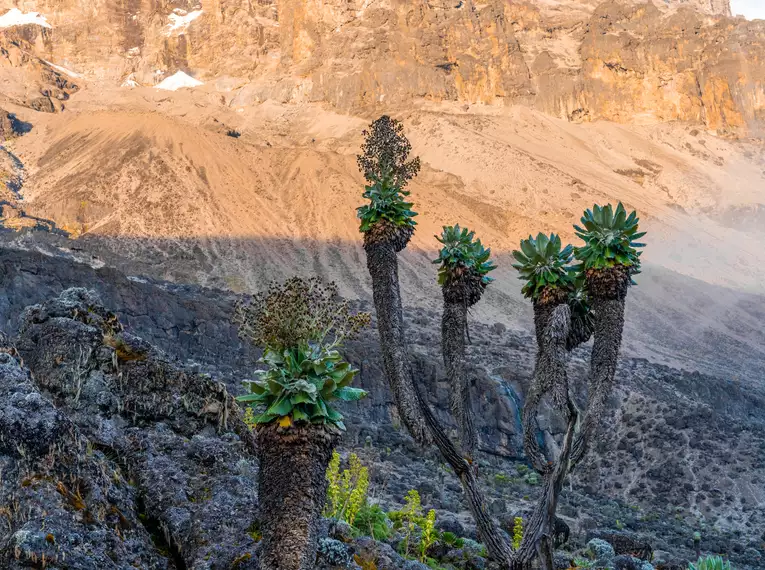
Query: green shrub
[583, 563]
[372, 521]
[346, 491]
[501, 479]
[710, 563]
[411, 515]
[428, 534]
[450, 539]
[418, 529]
[517, 532]
[532, 478]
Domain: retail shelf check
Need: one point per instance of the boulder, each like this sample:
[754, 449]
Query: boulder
[179, 436]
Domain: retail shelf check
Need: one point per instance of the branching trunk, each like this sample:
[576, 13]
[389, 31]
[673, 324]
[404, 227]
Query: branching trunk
[555, 337]
[549, 377]
[383, 267]
[453, 333]
[292, 487]
[609, 324]
[496, 543]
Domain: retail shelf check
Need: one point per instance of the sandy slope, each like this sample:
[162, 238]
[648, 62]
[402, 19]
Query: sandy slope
[157, 177]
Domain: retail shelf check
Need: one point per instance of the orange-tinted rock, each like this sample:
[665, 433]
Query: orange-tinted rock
[584, 60]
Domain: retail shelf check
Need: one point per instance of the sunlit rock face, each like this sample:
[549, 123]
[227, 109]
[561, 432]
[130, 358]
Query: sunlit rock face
[581, 60]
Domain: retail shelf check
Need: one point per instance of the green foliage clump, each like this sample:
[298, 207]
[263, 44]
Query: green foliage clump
[462, 253]
[418, 529]
[543, 262]
[299, 325]
[610, 238]
[583, 563]
[372, 521]
[579, 302]
[517, 532]
[384, 162]
[710, 563]
[501, 478]
[386, 202]
[429, 533]
[300, 384]
[450, 539]
[411, 515]
[346, 491]
[532, 478]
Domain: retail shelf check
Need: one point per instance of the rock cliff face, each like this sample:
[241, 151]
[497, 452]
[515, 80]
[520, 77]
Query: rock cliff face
[131, 436]
[622, 61]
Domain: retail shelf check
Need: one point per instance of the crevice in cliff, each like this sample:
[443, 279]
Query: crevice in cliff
[163, 542]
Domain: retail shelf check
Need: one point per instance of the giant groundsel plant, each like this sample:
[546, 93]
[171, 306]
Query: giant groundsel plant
[299, 325]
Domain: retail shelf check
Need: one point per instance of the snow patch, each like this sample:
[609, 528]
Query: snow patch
[180, 20]
[130, 82]
[178, 80]
[63, 70]
[15, 17]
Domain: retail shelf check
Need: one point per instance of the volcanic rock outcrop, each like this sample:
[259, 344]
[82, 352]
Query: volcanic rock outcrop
[120, 411]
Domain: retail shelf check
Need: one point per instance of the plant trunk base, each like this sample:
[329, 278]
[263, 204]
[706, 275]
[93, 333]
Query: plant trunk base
[292, 487]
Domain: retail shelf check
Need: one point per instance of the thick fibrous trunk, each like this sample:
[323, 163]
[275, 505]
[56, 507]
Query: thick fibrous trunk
[552, 323]
[549, 376]
[292, 489]
[383, 267]
[381, 245]
[538, 538]
[453, 333]
[609, 324]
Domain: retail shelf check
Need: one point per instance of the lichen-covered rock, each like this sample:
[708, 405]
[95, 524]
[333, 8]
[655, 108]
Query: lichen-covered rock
[624, 562]
[179, 436]
[600, 549]
[623, 542]
[65, 504]
[332, 553]
[379, 555]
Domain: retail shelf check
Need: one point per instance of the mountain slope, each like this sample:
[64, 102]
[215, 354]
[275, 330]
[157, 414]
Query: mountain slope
[179, 199]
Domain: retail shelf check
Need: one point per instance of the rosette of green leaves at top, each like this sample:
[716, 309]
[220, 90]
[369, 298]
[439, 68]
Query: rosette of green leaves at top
[462, 254]
[610, 239]
[387, 201]
[300, 384]
[543, 263]
[299, 324]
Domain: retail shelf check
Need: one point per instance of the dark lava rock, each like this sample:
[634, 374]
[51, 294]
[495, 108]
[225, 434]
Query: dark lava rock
[65, 504]
[624, 543]
[177, 435]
